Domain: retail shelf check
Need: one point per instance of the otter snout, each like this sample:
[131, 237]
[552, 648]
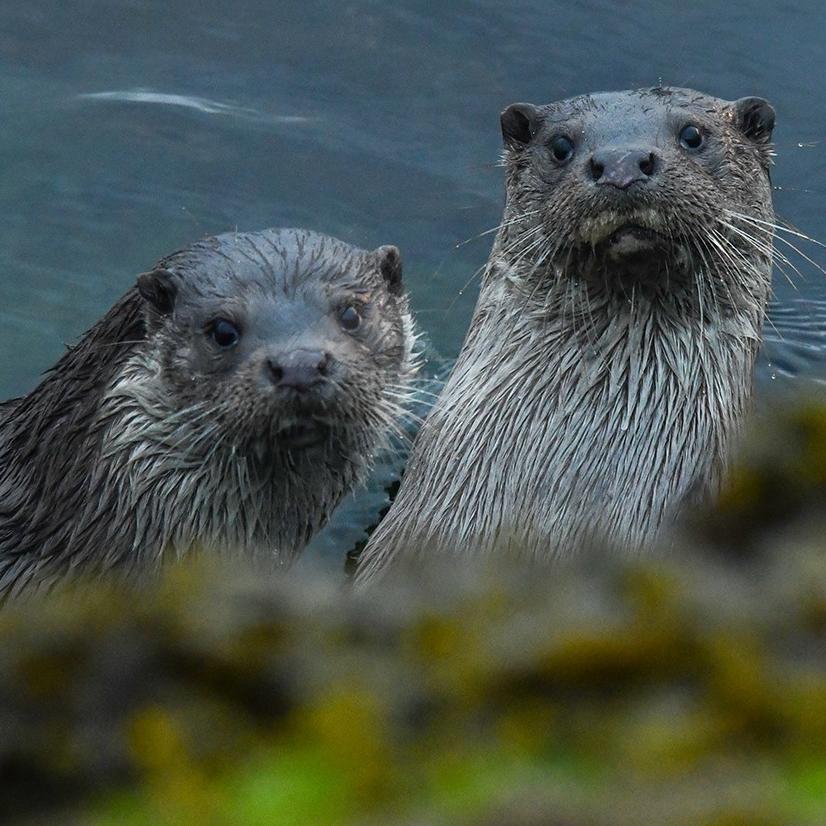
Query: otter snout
[299, 370]
[622, 167]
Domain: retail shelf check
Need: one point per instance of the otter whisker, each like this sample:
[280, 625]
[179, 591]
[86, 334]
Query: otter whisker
[777, 227]
[517, 220]
[796, 249]
[769, 252]
[731, 255]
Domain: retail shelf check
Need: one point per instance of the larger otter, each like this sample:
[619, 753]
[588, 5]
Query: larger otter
[609, 361]
[226, 403]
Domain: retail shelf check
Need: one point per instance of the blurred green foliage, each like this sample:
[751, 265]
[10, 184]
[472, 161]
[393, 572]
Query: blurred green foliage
[685, 688]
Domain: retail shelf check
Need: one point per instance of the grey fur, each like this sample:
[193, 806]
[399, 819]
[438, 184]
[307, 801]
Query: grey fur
[593, 399]
[146, 442]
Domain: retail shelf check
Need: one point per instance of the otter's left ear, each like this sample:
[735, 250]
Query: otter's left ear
[754, 117]
[158, 289]
[389, 261]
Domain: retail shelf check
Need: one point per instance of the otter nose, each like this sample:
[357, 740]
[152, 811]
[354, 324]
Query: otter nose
[299, 369]
[622, 167]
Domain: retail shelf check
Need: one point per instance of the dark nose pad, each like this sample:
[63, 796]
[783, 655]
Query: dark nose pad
[299, 369]
[622, 167]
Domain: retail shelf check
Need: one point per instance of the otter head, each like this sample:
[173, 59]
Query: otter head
[282, 343]
[644, 189]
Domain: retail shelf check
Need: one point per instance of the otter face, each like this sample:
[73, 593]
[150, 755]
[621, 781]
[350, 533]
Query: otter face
[632, 186]
[288, 340]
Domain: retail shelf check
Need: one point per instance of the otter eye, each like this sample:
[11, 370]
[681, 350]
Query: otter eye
[349, 318]
[224, 333]
[691, 137]
[562, 148]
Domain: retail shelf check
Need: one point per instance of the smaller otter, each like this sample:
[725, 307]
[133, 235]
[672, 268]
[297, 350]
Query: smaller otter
[227, 403]
[609, 362]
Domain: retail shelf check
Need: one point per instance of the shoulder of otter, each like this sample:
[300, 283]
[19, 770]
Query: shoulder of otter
[45, 437]
[73, 388]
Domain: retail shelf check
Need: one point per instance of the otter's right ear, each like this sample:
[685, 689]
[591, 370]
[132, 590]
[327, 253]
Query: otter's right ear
[158, 289]
[389, 261]
[520, 123]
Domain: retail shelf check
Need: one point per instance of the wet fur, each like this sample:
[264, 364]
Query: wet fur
[120, 458]
[590, 404]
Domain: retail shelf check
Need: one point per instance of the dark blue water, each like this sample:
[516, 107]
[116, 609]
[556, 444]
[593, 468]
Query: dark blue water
[129, 128]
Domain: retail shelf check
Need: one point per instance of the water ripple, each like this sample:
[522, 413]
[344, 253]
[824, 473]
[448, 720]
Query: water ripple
[199, 104]
[795, 337]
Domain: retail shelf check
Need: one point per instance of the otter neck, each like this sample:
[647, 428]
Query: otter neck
[194, 488]
[620, 408]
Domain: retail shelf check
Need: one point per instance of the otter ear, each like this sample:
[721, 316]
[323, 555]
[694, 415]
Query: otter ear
[754, 117]
[389, 261]
[520, 123]
[158, 289]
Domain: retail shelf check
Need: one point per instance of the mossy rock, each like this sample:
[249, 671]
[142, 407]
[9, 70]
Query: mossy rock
[686, 688]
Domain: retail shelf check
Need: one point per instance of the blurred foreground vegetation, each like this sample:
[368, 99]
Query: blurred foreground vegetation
[688, 688]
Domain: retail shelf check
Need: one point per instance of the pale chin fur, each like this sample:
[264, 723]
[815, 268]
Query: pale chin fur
[595, 229]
